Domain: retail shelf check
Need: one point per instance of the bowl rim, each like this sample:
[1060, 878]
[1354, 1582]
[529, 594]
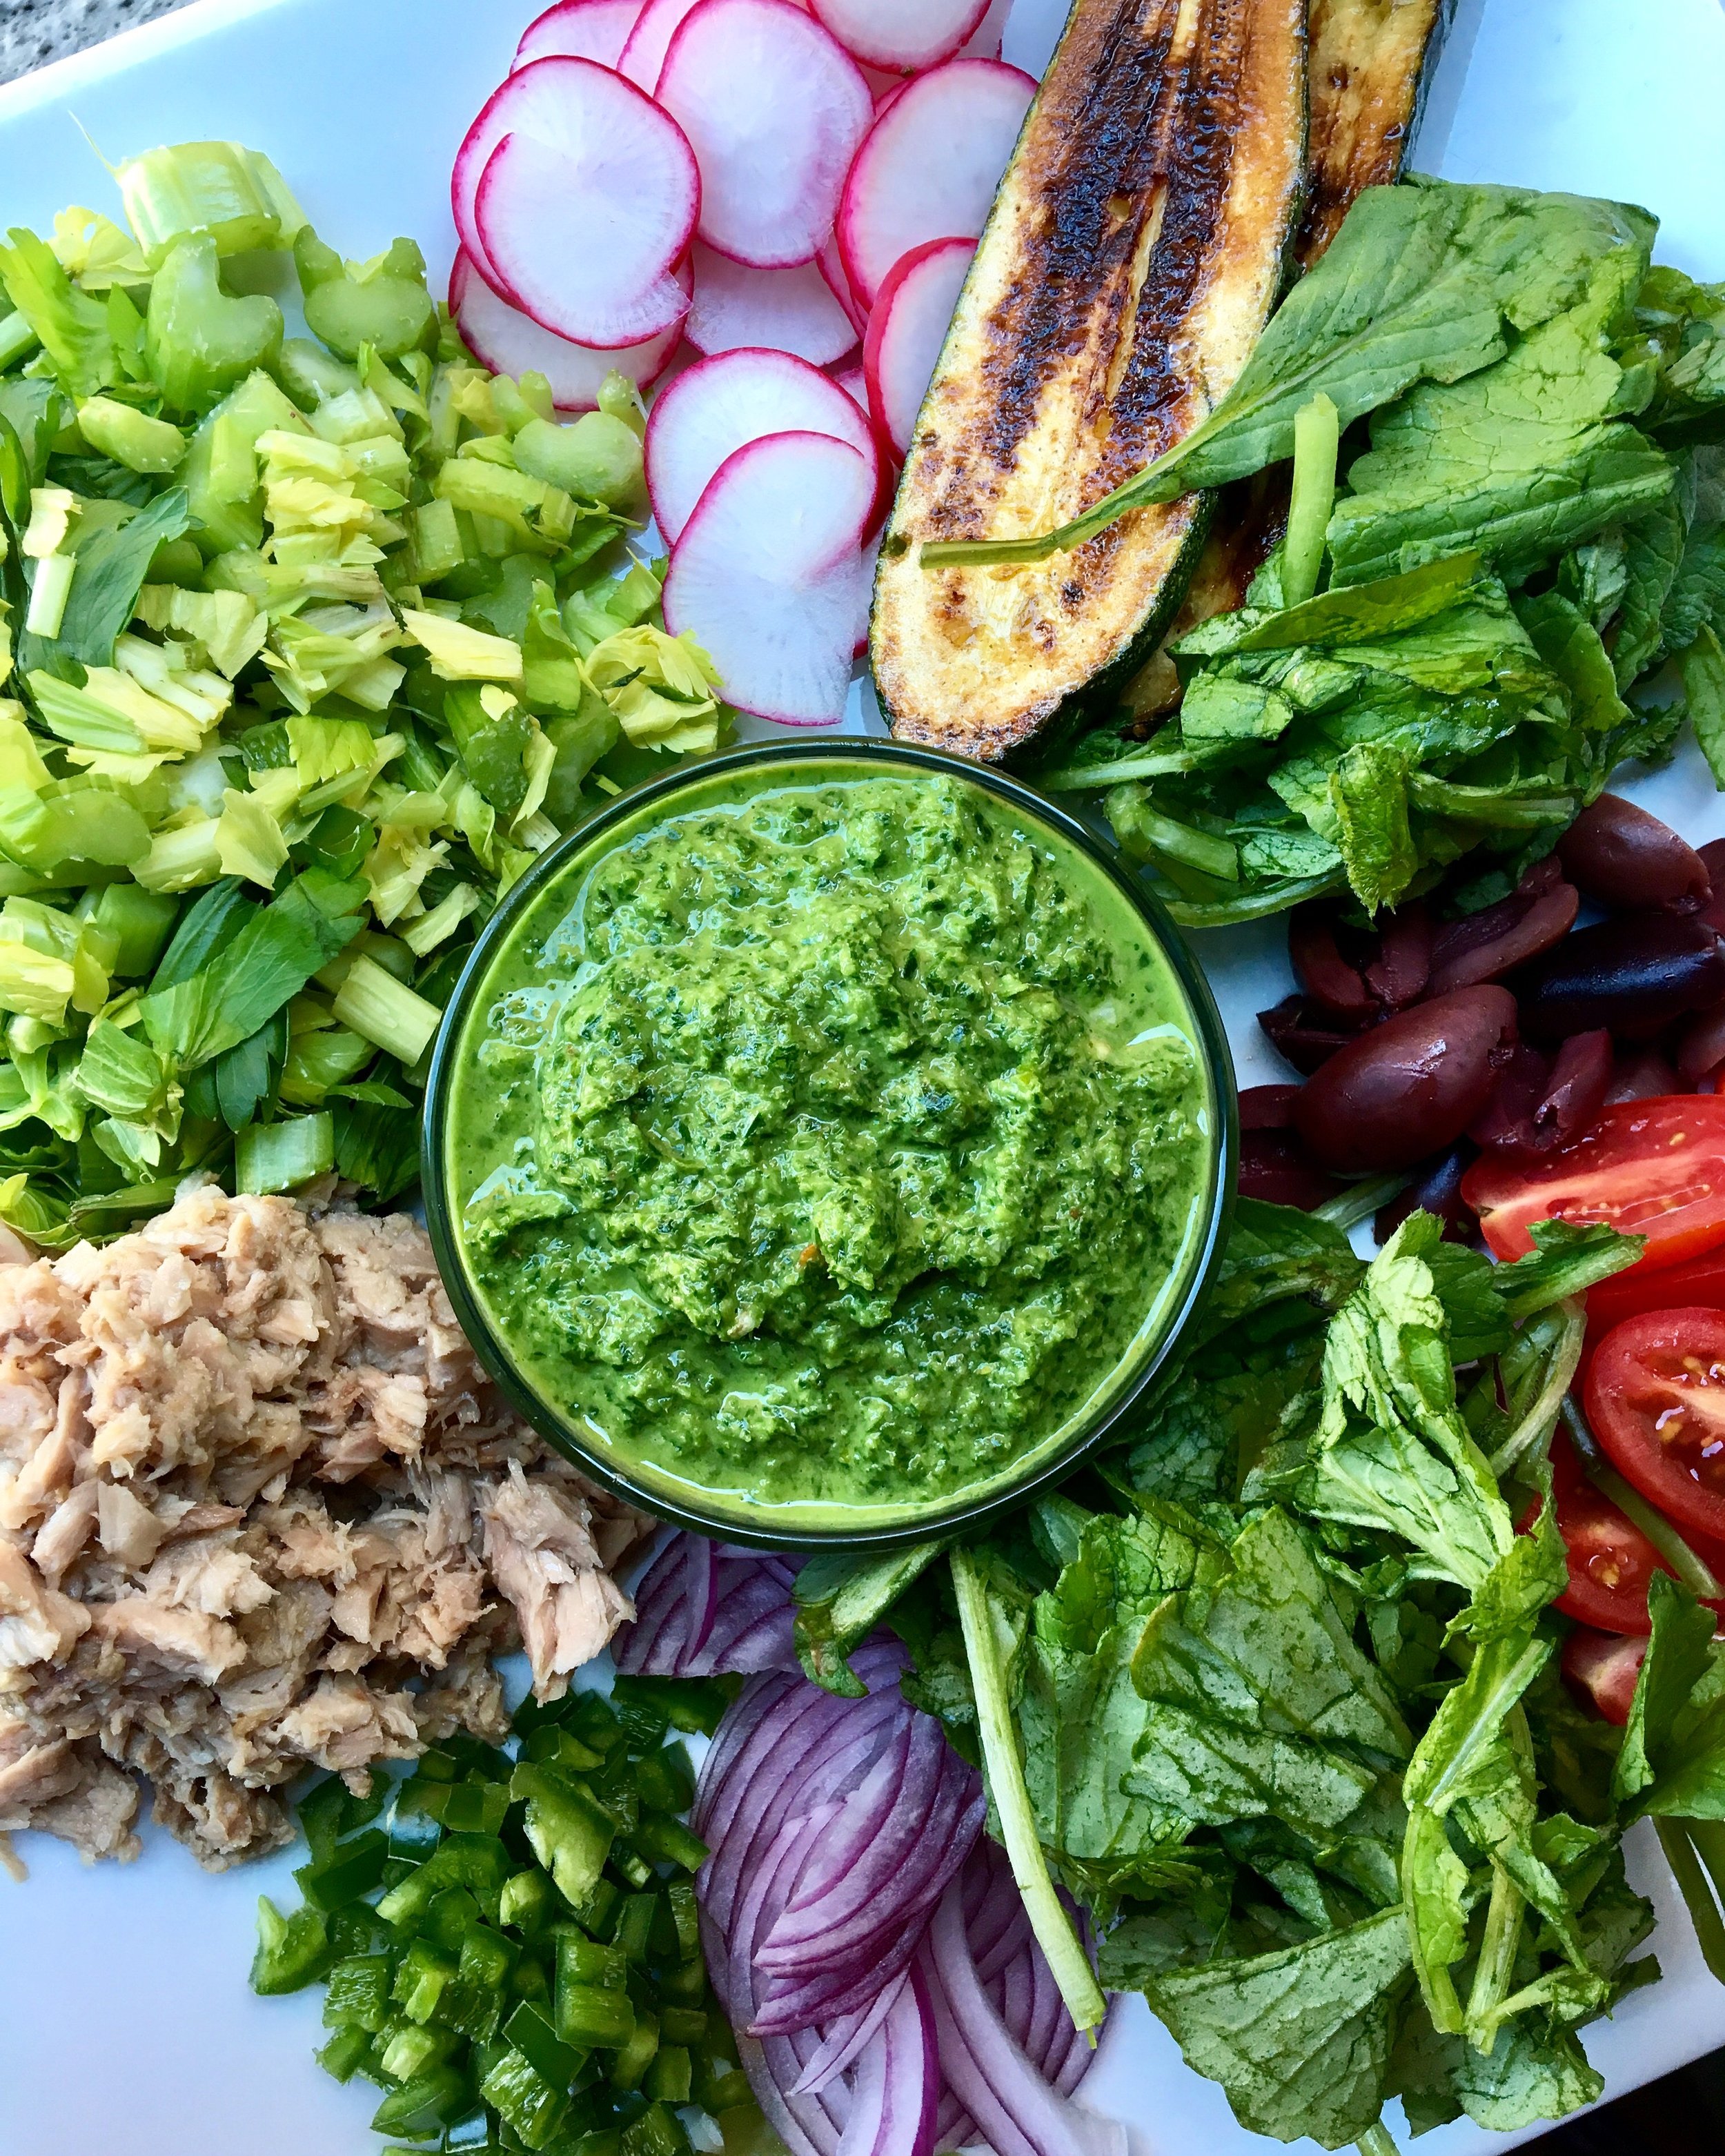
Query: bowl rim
[938, 1518]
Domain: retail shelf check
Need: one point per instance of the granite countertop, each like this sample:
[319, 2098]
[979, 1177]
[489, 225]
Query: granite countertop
[33, 32]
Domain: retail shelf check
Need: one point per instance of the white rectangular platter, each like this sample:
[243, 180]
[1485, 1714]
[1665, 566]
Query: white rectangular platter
[126, 2025]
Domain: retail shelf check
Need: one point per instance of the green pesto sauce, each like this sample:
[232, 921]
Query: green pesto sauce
[827, 1140]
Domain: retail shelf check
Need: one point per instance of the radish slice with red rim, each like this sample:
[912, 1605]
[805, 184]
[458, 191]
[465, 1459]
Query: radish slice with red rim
[719, 406]
[831, 263]
[906, 331]
[586, 204]
[931, 166]
[768, 578]
[792, 311]
[644, 55]
[983, 43]
[532, 98]
[504, 339]
[775, 110]
[902, 34]
[579, 30]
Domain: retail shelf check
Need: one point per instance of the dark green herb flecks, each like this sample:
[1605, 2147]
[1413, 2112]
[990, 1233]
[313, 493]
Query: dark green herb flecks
[508, 1939]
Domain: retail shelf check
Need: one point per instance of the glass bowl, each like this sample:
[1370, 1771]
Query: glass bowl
[813, 1521]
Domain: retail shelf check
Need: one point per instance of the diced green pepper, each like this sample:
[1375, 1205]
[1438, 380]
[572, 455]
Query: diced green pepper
[634, 2056]
[319, 1812]
[474, 2002]
[598, 1912]
[477, 2132]
[292, 1951]
[530, 2032]
[411, 2050]
[683, 2025]
[594, 2018]
[582, 1961]
[527, 1903]
[635, 1926]
[668, 2078]
[724, 2092]
[527, 2103]
[451, 1916]
[471, 1807]
[420, 1981]
[459, 1860]
[436, 1765]
[687, 1980]
[568, 1833]
[345, 2052]
[421, 2104]
[666, 1781]
[412, 1834]
[200, 341]
[665, 1841]
[350, 1870]
[562, 1747]
[359, 1992]
[644, 1707]
[658, 2132]
[678, 1932]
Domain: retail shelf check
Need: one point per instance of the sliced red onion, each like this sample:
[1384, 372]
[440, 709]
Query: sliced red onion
[871, 1947]
[703, 1608]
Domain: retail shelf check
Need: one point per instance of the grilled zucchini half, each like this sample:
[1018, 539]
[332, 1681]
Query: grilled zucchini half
[1131, 257]
[1371, 63]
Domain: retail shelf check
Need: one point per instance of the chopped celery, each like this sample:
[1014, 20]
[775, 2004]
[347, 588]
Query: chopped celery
[379, 1008]
[270, 1157]
[336, 605]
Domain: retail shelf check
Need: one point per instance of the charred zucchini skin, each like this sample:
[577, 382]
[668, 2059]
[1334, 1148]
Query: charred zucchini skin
[1372, 65]
[1133, 253]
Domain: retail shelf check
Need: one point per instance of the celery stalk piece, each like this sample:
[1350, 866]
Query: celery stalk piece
[199, 342]
[378, 1008]
[16, 338]
[274, 1157]
[51, 587]
[1316, 438]
[234, 194]
[130, 437]
[1049, 1920]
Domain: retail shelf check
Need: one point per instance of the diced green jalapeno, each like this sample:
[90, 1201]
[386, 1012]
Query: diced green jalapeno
[529, 2029]
[359, 1993]
[593, 2018]
[526, 2101]
[420, 1981]
[658, 2132]
[422, 2103]
[351, 1869]
[345, 2052]
[634, 2056]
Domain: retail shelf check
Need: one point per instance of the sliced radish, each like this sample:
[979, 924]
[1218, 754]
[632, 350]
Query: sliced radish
[769, 577]
[504, 339]
[906, 331]
[531, 101]
[983, 43]
[794, 310]
[854, 383]
[644, 55]
[831, 265]
[580, 30]
[775, 110]
[901, 33]
[719, 406]
[584, 208]
[931, 166]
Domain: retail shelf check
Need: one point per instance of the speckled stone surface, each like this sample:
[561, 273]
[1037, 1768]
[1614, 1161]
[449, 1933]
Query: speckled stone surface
[33, 32]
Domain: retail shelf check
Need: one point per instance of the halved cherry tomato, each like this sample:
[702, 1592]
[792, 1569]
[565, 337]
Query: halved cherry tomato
[1610, 1560]
[1700, 1281]
[1604, 1665]
[1649, 1167]
[1656, 1397]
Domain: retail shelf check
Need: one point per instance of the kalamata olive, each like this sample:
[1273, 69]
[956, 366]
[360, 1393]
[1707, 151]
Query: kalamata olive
[1436, 1189]
[1328, 979]
[1575, 1090]
[1618, 855]
[1267, 1107]
[1701, 1049]
[1633, 975]
[1410, 1086]
[1643, 1074]
[1275, 1166]
[1299, 1031]
[1712, 857]
[1506, 1122]
[1485, 946]
[1399, 973]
